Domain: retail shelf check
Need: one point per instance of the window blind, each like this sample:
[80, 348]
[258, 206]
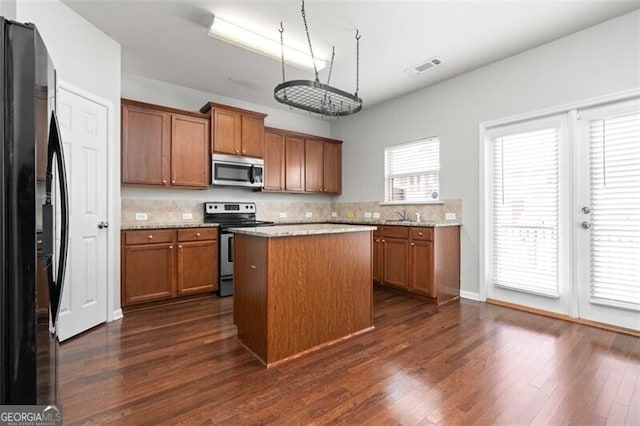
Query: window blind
[615, 205]
[412, 171]
[526, 211]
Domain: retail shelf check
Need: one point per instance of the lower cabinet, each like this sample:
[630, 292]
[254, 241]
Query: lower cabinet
[168, 263]
[419, 260]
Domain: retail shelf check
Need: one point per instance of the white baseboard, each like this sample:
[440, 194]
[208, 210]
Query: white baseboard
[117, 314]
[470, 295]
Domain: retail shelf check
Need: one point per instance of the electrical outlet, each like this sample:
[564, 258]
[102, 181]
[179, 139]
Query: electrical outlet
[376, 215]
[367, 215]
[334, 214]
[450, 216]
[308, 214]
[283, 215]
[187, 216]
[142, 216]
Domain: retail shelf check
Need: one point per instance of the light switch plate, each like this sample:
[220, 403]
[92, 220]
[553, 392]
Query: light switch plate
[334, 214]
[187, 216]
[283, 214]
[308, 214]
[367, 215]
[142, 216]
[376, 215]
[450, 216]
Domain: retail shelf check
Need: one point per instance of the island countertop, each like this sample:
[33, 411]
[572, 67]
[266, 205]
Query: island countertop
[299, 230]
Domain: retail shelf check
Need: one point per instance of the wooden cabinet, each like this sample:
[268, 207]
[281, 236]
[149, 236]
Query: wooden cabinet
[314, 165]
[164, 147]
[274, 161]
[197, 261]
[296, 162]
[420, 260]
[164, 264]
[235, 131]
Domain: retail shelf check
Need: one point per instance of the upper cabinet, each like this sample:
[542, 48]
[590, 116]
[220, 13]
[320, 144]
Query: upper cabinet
[164, 147]
[235, 131]
[295, 162]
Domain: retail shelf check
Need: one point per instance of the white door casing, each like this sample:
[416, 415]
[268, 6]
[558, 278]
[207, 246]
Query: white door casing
[83, 125]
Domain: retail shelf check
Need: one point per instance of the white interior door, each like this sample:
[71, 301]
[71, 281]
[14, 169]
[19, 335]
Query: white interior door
[608, 214]
[83, 125]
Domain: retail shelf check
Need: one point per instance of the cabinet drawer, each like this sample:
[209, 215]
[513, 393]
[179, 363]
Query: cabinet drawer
[149, 236]
[396, 231]
[197, 234]
[422, 234]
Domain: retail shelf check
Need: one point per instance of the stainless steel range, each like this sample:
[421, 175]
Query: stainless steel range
[230, 215]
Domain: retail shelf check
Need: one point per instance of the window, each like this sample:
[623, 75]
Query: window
[526, 211]
[412, 171]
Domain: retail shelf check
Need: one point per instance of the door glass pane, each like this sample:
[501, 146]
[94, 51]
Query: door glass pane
[526, 211]
[615, 204]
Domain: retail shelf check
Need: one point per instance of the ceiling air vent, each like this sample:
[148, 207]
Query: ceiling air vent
[423, 66]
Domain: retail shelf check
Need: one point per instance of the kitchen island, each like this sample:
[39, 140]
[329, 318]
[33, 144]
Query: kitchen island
[299, 288]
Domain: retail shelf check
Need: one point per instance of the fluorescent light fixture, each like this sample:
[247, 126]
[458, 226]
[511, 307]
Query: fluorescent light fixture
[247, 39]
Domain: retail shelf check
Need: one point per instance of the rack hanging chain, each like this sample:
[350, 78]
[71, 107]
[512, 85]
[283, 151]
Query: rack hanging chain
[306, 28]
[333, 55]
[357, 62]
[281, 30]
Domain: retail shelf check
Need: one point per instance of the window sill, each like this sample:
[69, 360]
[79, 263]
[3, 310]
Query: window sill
[400, 203]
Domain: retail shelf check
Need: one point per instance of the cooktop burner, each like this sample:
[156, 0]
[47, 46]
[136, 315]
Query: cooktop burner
[230, 215]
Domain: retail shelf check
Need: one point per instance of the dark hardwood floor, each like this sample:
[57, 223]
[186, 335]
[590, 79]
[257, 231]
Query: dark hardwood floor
[463, 363]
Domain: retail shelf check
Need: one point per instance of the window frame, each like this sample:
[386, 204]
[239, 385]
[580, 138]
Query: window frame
[427, 199]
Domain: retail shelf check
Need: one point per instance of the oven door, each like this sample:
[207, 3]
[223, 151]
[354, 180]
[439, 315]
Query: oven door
[226, 254]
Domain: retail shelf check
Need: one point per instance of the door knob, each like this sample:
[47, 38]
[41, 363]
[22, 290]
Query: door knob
[586, 225]
[103, 224]
[586, 210]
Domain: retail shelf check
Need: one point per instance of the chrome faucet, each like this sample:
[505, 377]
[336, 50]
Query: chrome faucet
[403, 215]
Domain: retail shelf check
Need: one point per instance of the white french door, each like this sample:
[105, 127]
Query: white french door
[562, 205]
[608, 219]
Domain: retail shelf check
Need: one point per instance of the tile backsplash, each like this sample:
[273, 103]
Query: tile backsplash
[187, 211]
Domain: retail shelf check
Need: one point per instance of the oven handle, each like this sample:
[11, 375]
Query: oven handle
[230, 249]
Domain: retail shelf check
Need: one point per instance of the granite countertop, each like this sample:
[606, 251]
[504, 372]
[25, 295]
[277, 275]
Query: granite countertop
[422, 224]
[127, 227]
[298, 230]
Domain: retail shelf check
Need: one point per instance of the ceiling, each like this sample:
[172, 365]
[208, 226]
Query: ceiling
[168, 41]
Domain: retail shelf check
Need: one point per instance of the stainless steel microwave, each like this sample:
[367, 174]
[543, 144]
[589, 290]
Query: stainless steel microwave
[232, 170]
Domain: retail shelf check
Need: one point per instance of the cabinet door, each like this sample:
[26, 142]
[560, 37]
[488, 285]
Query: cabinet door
[314, 160]
[145, 145]
[273, 161]
[197, 267]
[421, 279]
[189, 151]
[332, 175]
[252, 136]
[395, 255]
[294, 163]
[226, 132]
[148, 273]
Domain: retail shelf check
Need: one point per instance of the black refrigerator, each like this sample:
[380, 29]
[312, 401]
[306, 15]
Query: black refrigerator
[34, 219]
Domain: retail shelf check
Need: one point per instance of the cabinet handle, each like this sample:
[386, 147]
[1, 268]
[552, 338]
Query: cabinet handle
[150, 237]
[180, 246]
[236, 151]
[244, 151]
[164, 181]
[383, 241]
[377, 241]
[197, 234]
[420, 233]
[173, 181]
[413, 244]
[170, 247]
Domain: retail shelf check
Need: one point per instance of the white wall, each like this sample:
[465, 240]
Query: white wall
[8, 9]
[598, 61]
[161, 93]
[86, 58]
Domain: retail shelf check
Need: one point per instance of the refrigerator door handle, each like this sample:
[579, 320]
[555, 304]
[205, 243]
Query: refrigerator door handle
[56, 284]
